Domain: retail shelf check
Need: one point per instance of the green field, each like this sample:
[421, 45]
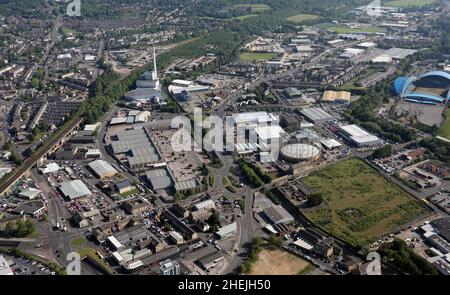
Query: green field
[255, 8]
[343, 30]
[254, 56]
[360, 205]
[67, 31]
[410, 3]
[445, 128]
[78, 242]
[302, 17]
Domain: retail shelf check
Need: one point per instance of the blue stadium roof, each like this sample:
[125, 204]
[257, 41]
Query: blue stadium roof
[421, 101]
[399, 83]
[424, 97]
[441, 74]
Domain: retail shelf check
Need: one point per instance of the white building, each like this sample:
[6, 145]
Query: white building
[169, 267]
[358, 136]
[227, 230]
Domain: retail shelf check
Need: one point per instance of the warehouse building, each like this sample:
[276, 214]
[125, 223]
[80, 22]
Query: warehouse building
[210, 260]
[358, 136]
[159, 179]
[292, 93]
[139, 148]
[336, 96]
[316, 115]
[74, 189]
[227, 230]
[102, 169]
[205, 205]
[277, 215]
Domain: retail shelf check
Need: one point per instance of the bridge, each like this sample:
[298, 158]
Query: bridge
[41, 155]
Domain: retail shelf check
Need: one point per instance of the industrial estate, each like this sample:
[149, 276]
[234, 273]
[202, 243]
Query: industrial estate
[337, 133]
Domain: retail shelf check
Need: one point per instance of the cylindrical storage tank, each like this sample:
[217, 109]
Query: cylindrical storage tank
[299, 152]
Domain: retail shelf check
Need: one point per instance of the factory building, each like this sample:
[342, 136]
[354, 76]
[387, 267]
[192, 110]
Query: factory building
[102, 169]
[358, 136]
[316, 115]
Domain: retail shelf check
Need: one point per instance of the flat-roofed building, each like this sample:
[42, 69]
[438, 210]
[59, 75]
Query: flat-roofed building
[316, 115]
[176, 237]
[336, 96]
[74, 189]
[227, 230]
[277, 215]
[210, 260]
[102, 169]
[205, 205]
[29, 194]
[159, 179]
[139, 148]
[358, 136]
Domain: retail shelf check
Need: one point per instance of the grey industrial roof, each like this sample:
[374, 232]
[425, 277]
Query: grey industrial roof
[187, 184]
[443, 226]
[137, 142]
[101, 167]
[316, 114]
[74, 189]
[277, 214]
[142, 94]
[30, 207]
[131, 234]
[159, 179]
[123, 184]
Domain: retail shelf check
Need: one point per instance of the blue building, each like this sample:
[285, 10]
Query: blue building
[429, 88]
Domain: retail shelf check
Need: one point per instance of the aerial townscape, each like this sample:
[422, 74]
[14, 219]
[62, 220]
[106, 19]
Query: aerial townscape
[216, 137]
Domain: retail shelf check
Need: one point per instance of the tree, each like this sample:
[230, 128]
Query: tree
[382, 152]
[315, 199]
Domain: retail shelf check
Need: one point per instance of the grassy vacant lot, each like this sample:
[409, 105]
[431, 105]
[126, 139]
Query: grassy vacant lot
[279, 262]
[78, 242]
[255, 8]
[360, 204]
[302, 17]
[344, 30]
[445, 128]
[253, 56]
[410, 3]
[67, 31]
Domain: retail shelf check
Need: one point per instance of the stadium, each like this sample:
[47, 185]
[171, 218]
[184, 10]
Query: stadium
[429, 88]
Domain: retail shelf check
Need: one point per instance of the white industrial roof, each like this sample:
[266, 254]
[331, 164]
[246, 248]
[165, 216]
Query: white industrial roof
[30, 193]
[269, 132]
[303, 244]
[227, 229]
[367, 44]
[91, 127]
[75, 189]
[182, 82]
[50, 168]
[115, 242]
[357, 134]
[118, 120]
[101, 167]
[204, 204]
[331, 143]
[253, 117]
